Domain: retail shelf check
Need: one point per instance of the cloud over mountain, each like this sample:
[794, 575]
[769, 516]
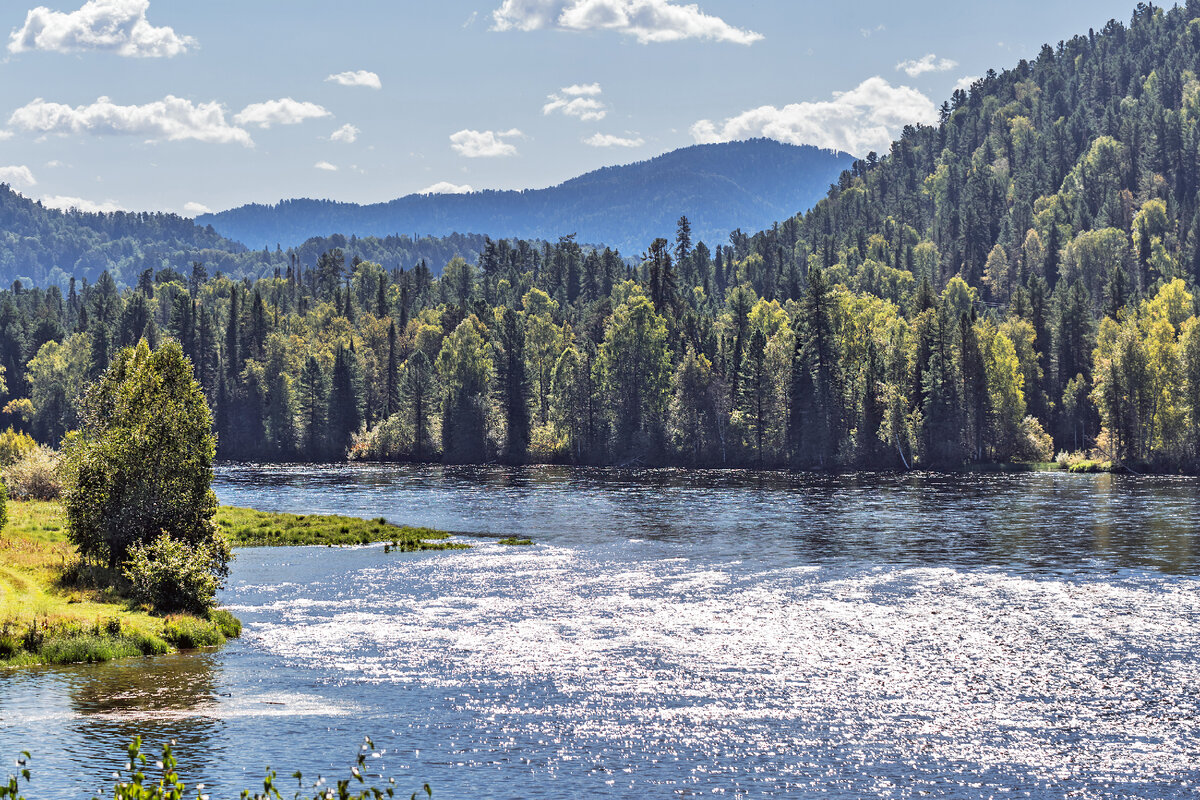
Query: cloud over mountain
[868, 117]
[647, 20]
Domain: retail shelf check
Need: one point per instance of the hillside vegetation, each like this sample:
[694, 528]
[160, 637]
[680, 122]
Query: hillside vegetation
[44, 246]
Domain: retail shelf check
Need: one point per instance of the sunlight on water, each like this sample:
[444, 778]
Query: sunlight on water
[875, 681]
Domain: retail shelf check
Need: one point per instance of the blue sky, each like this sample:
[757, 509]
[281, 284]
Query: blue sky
[208, 104]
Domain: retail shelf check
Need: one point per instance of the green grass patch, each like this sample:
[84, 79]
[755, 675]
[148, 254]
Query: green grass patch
[248, 528]
[1091, 466]
[513, 541]
[56, 610]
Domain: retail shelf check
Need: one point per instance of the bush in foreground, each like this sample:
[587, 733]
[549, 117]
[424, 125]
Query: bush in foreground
[133, 783]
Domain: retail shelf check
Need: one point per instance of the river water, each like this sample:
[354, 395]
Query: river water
[676, 634]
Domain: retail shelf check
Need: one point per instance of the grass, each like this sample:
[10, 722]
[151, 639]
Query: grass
[1089, 466]
[49, 615]
[56, 610]
[248, 528]
[513, 541]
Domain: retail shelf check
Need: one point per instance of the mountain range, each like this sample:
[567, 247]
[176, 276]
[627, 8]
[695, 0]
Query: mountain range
[719, 187]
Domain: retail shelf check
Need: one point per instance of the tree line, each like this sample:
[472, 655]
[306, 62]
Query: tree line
[554, 354]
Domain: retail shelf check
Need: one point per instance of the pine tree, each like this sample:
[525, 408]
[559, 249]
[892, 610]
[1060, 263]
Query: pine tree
[755, 383]
[392, 387]
[313, 394]
[258, 326]
[345, 401]
[418, 387]
[233, 337]
[512, 385]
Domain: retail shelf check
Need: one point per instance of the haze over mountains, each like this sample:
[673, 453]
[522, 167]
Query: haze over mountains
[719, 187]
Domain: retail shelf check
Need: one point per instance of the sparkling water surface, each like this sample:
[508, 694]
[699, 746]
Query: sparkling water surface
[680, 634]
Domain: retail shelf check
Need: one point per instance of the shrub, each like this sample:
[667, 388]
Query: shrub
[171, 575]
[229, 625]
[3, 505]
[9, 645]
[187, 633]
[1035, 443]
[34, 476]
[14, 445]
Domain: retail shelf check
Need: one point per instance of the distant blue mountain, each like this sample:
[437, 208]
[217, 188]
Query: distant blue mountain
[719, 187]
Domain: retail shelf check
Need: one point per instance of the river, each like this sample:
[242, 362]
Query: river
[680, 634]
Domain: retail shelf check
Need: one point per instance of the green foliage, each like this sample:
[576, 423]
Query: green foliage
[15, 445]
[514, 541]
[141, 465]
[134, 781]
[170, 575]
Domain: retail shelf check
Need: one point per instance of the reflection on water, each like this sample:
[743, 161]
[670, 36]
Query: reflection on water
[678, 634]
[1030, 520]
[82, 718]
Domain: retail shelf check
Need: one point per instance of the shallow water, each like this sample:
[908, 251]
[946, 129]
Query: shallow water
[678, 634]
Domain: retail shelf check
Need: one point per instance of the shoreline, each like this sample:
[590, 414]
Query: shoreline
[54, 610]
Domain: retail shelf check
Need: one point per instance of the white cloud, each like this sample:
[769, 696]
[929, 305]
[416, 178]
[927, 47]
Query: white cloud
[195, 209]
[18, 176]
[325, 166]
[284, 111]
[5, 135]
[582, 90]
[172, 118]
[484, 144]
[347, 134]
[868, 117]
[577, 101]
[79, 204]
[445, 187]
[608, 140]
[117, 26]
[926, 63]
[357, 78]
[965, 83]
[647, 20]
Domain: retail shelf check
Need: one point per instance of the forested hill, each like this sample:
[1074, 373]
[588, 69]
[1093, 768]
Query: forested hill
[718, 187]
[42, 246]
[1079, 166]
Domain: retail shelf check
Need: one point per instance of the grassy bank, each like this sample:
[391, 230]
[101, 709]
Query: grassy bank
[52, 611]
[245, 527]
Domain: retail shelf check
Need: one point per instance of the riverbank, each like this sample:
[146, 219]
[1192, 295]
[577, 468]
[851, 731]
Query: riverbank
[53, 610]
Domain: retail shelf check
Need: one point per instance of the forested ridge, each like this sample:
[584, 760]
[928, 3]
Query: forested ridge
[43, 246]
[724, 186]
[1016, 281]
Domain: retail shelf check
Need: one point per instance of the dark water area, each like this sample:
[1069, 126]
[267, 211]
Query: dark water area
[676, 634]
